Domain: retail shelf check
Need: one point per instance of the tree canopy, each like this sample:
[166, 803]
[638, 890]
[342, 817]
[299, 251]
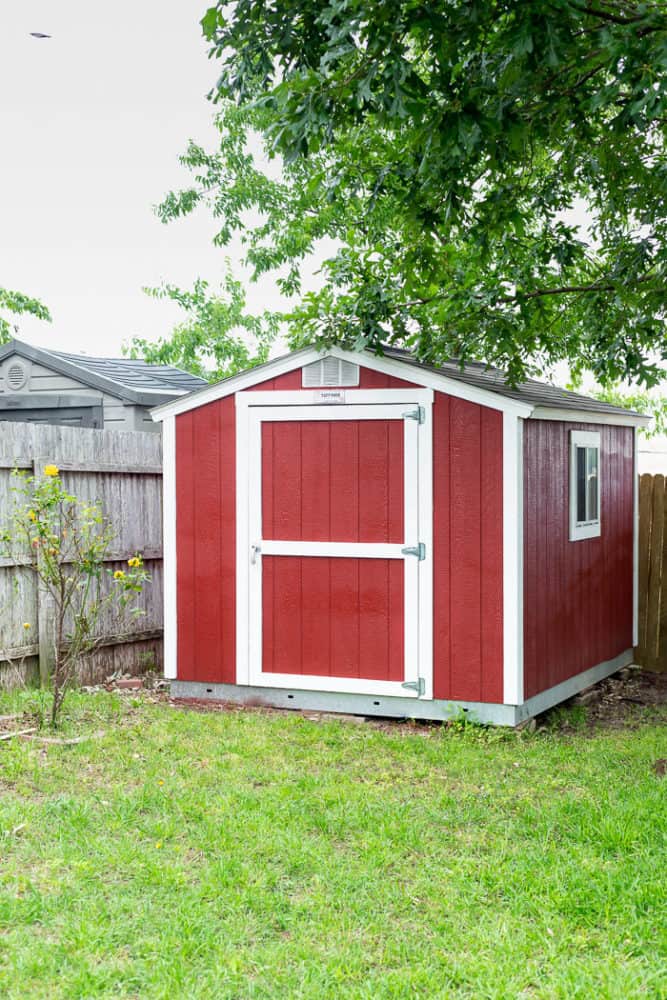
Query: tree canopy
[442, 147]
[13, 305]
[207, 342]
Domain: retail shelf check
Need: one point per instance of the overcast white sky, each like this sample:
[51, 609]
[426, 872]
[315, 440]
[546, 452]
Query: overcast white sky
[92, 122]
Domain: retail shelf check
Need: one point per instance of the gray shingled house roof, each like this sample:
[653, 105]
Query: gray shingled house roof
[531, 391]
[129, 379]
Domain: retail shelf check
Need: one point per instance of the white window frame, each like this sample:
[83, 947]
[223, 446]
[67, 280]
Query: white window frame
[584, 529]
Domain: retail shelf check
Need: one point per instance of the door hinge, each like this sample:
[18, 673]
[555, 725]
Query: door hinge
[415, 550]
[419, 686]
[419, 415]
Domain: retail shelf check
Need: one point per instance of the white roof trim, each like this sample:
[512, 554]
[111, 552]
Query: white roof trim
[590, 417]
[389, 366]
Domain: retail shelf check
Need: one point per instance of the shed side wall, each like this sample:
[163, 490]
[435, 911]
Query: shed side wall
[468, 565]
[206, 542]
[577, 595]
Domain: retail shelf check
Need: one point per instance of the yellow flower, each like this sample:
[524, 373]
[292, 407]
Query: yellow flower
[159, 844]
[32, 515]
[50, 470]
[135, 561]
[119, 575]
[26, 625]
[160, 782]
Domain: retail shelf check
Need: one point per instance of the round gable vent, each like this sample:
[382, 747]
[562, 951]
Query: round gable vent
[16, 376]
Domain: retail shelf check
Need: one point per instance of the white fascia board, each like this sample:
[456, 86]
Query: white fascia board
[244, 380]
[590, 417]
[388, 366]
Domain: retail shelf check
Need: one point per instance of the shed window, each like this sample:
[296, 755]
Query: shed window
[584, 485]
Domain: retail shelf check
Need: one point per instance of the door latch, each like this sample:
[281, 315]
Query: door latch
[415, 550]
[419, 686]
[255, 550]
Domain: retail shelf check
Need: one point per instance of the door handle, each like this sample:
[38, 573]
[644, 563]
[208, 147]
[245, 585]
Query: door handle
[255, 550]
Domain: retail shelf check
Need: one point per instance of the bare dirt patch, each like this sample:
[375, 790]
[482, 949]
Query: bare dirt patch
[629, 698]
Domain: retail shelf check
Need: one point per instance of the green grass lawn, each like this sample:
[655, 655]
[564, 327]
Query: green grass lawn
[250, 855]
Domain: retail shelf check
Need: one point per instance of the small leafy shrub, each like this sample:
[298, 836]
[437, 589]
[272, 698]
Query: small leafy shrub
[67, 542]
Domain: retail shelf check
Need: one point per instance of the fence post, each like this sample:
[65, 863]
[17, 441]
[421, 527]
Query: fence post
[651, 651]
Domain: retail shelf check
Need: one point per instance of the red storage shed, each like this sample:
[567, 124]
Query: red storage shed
[368, 534]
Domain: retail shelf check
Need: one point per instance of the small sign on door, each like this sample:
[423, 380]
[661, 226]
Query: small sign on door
[329, 396]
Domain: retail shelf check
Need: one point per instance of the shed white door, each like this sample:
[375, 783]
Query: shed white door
[337, 563]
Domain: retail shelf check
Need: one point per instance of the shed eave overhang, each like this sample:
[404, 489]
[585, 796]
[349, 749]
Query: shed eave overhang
[623, 419]
[389, 366]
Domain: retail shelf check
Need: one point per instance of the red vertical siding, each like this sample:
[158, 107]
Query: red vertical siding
[467, 477]
[577, 595]
[206, 543]
[467, 551]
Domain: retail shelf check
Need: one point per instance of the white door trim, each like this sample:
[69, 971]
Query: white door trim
[310, 397]
[349, 550]
[418, 511]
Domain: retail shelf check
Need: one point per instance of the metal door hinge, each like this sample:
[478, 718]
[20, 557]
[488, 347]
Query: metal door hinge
[415, 550]
[419, 686]
[255, 550]
[419, 415]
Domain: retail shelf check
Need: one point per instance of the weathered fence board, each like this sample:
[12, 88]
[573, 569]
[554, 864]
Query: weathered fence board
[651, 651]
[121, 470]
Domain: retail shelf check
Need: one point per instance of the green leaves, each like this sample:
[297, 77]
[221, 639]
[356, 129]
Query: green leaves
[66, 542]
[480, 180]
[17, 304]
[218, 337]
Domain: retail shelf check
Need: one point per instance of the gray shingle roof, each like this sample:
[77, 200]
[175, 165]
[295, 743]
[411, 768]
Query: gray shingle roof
[136, 373]
[126, 378]
[531, 391]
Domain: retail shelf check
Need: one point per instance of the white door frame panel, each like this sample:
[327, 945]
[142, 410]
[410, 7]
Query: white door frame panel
[380, 404]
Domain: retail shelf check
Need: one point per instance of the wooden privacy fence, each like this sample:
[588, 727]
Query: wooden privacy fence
[123, 471]
[651, 651]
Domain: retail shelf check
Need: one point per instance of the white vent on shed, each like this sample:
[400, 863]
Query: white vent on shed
[329, 371]
[16, 376]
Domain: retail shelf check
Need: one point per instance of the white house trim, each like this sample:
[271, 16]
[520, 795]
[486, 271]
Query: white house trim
[308, 397]
[242, 541]
[389, 366]
[588, 417]
[343, 685]
[581, 530]
[635, 539]
[342, 550]
[169, 546]
[513, 690]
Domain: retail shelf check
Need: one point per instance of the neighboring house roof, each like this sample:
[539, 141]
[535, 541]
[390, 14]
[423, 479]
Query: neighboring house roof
[478, 381]
[129, 379]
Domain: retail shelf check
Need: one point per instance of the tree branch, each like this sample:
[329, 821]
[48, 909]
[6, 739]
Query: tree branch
[605, 15]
